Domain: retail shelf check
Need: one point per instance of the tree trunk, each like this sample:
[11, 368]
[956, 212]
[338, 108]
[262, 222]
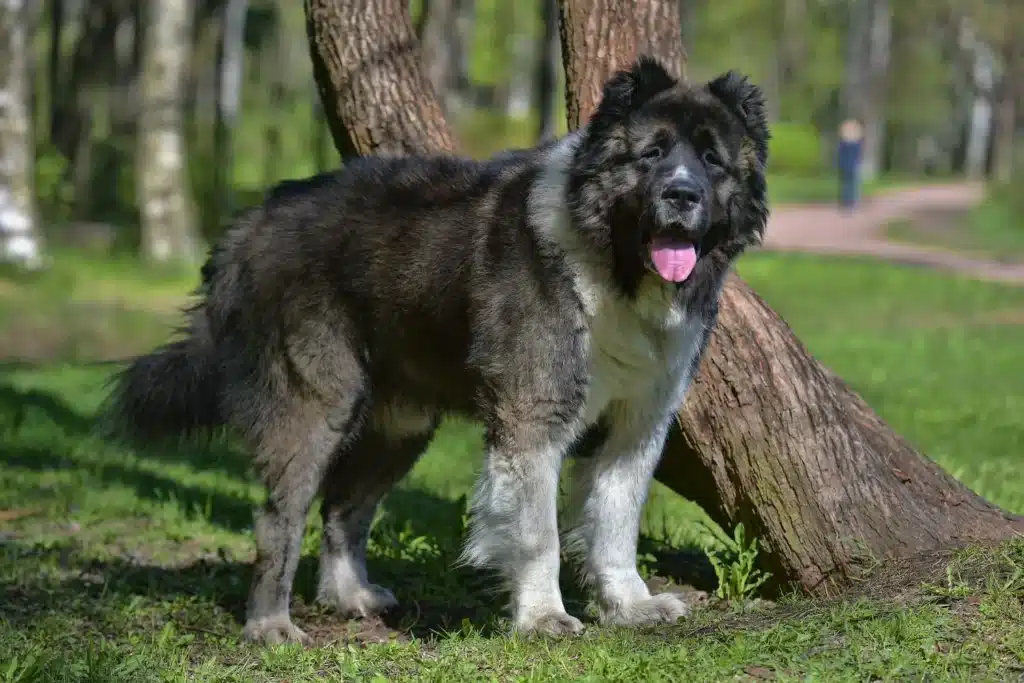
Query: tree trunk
[768, 436]
[366, 61]
[1005, 148]
[442, 51]
[320, 132]
[771, 438]
[548, 63]
[168, 215]
[867, 65]
[274, 78]
[20, 242]
[1010, 97]
[792, 51]
[54, 62]
[601, 36]
[230, 65]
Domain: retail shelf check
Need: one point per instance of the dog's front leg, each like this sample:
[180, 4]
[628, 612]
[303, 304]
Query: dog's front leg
[609, 491]
[514, 527]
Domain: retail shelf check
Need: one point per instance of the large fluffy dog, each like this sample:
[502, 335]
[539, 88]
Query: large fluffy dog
[561, 295]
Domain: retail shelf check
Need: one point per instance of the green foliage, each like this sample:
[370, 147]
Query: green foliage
[54, 191]
[796, 149]
[735, 567]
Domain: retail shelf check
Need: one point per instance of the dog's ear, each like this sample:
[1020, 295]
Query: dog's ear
[628, 90]
[746, 101]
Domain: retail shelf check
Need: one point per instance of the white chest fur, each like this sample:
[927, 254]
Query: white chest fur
[640, 352]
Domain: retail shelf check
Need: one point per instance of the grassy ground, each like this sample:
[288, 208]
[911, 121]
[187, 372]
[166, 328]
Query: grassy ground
[992, 230]
[134, 567]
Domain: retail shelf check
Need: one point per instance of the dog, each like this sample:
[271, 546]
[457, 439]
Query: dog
[562, 296]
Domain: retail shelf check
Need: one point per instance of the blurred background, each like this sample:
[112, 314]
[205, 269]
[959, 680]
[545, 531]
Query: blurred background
[936, 86]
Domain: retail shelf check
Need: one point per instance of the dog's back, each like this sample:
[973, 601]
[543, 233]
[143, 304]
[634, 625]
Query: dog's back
[380, 257]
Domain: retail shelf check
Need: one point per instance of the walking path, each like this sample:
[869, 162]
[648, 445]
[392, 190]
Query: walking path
[825, 230]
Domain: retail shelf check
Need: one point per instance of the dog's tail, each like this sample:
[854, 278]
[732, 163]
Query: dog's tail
[172, 392]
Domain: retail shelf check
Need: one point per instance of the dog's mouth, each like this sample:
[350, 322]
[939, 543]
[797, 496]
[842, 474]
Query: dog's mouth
[673, 259]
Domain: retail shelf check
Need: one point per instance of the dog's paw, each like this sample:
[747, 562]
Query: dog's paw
[273, 631]
[664, 608]
[365, 601]
[557, 624]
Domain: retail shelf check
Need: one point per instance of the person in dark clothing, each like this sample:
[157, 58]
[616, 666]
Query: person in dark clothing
[851, 143]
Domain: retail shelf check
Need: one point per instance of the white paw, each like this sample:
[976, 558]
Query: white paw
[362, 602]
[273, 631]
[549, 624]
[664, 608]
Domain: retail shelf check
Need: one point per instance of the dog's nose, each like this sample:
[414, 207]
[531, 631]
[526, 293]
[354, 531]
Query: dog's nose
[685, 193]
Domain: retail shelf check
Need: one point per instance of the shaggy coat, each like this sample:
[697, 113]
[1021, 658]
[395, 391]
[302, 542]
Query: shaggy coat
[562, 296]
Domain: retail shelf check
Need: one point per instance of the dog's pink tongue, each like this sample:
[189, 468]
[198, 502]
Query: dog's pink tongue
[674, 260]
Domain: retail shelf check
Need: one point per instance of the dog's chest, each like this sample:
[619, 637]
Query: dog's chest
[638, 358]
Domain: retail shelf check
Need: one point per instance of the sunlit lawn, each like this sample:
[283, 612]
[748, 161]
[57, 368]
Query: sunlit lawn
[134, 566]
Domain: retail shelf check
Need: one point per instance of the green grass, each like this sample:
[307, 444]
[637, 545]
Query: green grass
[994, 229]
[134, 566]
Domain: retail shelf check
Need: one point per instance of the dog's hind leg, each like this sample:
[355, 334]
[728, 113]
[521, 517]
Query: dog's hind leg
[296, 432]
[355, 484]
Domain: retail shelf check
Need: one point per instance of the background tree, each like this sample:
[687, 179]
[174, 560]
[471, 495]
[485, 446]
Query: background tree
[165, 198]
[19, 232]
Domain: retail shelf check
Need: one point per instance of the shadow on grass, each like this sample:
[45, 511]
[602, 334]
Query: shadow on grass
[414, 549]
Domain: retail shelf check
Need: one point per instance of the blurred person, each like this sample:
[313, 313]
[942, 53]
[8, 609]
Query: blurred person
[851, 146]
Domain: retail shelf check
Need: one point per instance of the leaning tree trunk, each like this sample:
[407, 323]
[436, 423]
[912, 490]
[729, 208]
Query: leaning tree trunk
[19, 234]
[168, 215]
[366, 61]
[767, 436]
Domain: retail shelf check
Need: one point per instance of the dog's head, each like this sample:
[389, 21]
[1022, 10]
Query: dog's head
[669, 172]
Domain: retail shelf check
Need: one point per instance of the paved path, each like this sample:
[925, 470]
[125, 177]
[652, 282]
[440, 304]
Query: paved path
[824, 230]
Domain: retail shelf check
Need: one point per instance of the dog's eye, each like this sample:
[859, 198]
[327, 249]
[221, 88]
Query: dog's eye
[652, 153]
[711, 158]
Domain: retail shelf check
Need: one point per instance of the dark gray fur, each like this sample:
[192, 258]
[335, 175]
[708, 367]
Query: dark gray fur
[343, 317]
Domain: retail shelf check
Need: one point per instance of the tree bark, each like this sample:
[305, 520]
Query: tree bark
[168, 214]
[767, 436]
[867, 64]
[1004, 150]
[980, 127]
[20, 242]
[377, 97]
[274, 77]
[548, 63]
[601, 36]
[230, 71]
[1010, 98]
[443, 49]
[54, 61]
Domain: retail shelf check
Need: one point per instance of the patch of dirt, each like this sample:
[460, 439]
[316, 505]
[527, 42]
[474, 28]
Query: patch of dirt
[947, 229]
[826, 230]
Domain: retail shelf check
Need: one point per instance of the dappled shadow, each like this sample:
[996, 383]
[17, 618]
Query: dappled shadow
[415, 544]
[16, 404]
[434, 596]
